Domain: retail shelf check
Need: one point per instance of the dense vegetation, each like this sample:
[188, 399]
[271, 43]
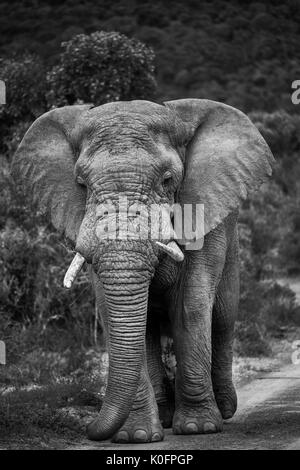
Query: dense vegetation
[244, 53]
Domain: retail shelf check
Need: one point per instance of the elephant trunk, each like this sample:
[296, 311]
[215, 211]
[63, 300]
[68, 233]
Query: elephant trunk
[126, 295]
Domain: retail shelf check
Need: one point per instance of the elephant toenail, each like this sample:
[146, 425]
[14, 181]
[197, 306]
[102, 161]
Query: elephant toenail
[227, 413]
[156, 437]
[140, 436]
[209, 427]
[122, 437]
[191, 427]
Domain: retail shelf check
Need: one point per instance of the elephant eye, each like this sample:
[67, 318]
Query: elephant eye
[167, 179]
[80, 181]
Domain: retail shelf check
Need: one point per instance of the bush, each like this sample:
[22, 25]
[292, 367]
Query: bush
[96, 68]
[280, 224]
[32, 267]
[25, 87]
[35, 309]
[250, 340]
[266, 216]
[230, 52]
[289, 246]
[282, 132]
[101, 67]
[265, 306]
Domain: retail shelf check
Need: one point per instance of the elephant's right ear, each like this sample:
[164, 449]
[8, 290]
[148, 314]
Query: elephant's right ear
[44, 165]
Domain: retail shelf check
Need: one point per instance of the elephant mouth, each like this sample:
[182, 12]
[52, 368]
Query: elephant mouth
[171, 248]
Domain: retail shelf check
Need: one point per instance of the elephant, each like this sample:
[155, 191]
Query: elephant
[75, 160]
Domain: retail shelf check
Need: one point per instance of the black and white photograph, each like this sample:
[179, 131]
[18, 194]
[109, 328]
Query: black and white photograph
[149, 228]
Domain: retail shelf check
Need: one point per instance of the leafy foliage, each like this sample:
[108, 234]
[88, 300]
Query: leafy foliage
[282, 132]
[269, 239]
[99, 68]
[24, 78]
[96, 68]
[243, 53]
[35, 310]
[25, 87]
[279, 223]
[265, 305]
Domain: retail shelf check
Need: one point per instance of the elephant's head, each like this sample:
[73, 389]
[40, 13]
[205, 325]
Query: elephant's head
[78, 160]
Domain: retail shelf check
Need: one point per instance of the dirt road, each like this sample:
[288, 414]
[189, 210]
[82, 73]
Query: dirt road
[268, 417]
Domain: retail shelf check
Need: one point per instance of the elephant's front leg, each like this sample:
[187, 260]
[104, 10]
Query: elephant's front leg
[196, 411]
[143, 423]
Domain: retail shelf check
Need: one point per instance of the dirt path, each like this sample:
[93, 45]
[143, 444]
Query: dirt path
[268, 417]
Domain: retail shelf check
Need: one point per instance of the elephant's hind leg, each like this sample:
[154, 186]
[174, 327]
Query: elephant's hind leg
[223, 318]
[164, 395]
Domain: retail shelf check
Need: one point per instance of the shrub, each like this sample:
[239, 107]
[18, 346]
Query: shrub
[34, 307]
[96, 68]
[266, 215]
[289, 246]
[25, 87]
[102, 67]
[282, 132]
[264, 305]
[250, 340]
[280, 209]
[32, 267]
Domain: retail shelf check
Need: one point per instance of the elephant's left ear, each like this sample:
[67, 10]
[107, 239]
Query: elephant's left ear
[226, 158]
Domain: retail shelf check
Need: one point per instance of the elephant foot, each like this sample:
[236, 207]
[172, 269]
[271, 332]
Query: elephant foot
[200, 419]
[226, 398]
[166, 412]
[141, 426]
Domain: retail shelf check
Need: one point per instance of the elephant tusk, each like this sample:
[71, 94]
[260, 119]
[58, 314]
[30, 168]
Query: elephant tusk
[172, 249]
[74, 269]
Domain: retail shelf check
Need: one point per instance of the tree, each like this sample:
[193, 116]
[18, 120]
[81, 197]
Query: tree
[26, 87]
[102, 67]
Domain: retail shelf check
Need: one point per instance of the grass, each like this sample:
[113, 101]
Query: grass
[52, 412]
[38, 408]
[246, 368]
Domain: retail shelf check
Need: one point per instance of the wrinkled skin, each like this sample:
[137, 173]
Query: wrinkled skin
[76, 159]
